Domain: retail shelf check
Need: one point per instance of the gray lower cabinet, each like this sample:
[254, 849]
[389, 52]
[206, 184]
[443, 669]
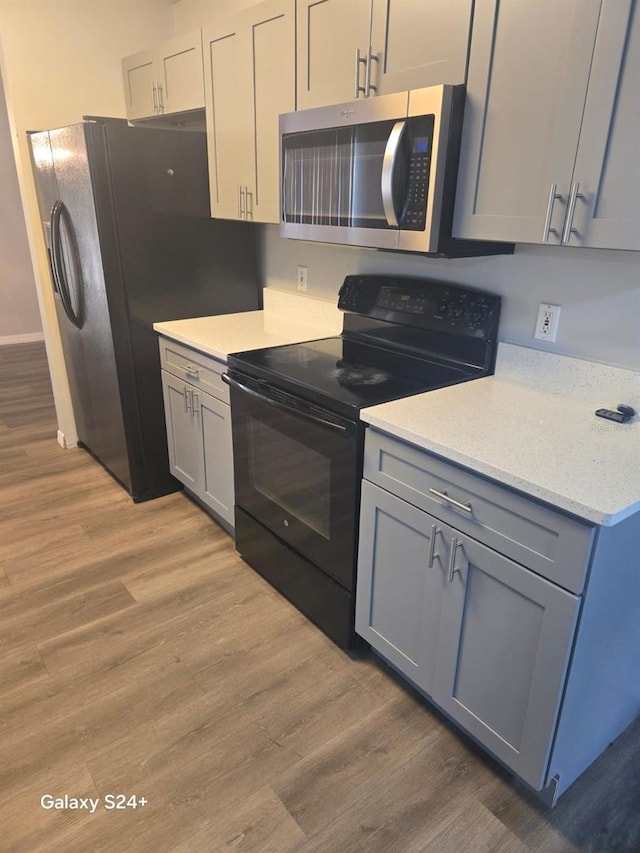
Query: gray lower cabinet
[475, 631]
[516, 658]
[199, 428]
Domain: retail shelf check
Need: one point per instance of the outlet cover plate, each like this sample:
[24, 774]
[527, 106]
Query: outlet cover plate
[547, 322]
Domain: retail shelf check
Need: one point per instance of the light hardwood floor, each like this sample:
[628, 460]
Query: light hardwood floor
[140, 655]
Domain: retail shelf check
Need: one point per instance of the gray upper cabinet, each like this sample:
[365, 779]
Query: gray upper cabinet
[548, 125]
[419, 43]
[165, 80]
[606, 177]
[349, 49]
[249, 80]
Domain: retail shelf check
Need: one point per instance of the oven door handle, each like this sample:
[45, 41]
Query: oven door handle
[321, 421]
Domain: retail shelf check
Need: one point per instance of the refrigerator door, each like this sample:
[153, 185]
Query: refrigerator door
[164, 258]
[78, 269]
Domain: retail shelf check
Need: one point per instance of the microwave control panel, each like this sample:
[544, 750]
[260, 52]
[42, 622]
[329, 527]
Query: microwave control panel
[418, 146]
[415, 213]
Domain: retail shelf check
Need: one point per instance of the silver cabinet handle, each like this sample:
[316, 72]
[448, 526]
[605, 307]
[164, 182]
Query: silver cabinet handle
[188, 401]
[241, 204]
[192, 370]
[553, 195]
[445, 497]
[160, 98]
[388, 167]
[359, 61]
[455, 544]
[368, 85]
[571, 209]
[195, 402]
[435, 530]
[248, 208]
[154, 89]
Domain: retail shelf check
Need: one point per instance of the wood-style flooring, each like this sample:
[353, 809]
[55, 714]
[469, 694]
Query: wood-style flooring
[140, 655]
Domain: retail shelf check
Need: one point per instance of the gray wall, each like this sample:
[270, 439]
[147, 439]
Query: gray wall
[19, 314]
[599, 291]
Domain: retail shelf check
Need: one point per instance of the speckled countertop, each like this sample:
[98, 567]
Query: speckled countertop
[532, 427]
[287, 318]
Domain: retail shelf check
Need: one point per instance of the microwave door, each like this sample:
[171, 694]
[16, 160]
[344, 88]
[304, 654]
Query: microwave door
[391, 182]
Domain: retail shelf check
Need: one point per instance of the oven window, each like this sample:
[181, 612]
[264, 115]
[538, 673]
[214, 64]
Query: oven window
[290, 474]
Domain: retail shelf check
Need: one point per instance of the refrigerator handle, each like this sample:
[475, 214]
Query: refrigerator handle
[57, 212]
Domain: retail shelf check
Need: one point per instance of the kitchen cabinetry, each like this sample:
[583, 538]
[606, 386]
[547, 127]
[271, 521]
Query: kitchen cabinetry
[198, 419]
[249, 81]
[354, 48]
[165, 80]
[545, 155]
[473, 592]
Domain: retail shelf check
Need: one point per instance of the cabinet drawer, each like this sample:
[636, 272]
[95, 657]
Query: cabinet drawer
[545, 540]
[201, 371]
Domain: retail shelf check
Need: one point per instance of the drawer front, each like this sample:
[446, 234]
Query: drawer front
[544, 540]
[201, 371]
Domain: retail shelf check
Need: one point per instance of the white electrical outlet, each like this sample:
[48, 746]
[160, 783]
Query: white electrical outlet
[547, 322]
[303, 272]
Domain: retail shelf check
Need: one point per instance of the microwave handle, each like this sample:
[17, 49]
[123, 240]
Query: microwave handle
[388, 169]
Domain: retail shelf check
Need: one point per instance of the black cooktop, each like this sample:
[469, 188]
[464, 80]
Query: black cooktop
[401, 337]
[344, 374]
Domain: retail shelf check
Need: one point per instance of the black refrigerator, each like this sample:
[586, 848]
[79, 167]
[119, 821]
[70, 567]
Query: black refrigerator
[125, 211]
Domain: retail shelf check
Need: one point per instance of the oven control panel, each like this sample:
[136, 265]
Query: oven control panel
[429, 304]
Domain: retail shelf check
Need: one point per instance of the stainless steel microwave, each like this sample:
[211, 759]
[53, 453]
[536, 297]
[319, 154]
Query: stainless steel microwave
[379, 172]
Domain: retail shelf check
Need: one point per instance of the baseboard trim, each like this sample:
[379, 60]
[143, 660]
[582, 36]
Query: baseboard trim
[29, 338]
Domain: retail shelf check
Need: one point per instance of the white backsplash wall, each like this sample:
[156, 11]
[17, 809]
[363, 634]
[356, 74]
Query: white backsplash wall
[599, 291]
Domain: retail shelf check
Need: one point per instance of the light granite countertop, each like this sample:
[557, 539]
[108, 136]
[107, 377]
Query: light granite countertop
[287, 318]
[545, 443]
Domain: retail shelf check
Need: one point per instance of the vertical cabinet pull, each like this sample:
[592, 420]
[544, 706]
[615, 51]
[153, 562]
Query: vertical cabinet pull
[455, 544]
[154, 91]
[571, 209]
[195, 402]
[358, 87]
[188, 401]
[241, 203]
[553, 195]
[160, 98]
[435, 530]
[248, 213]
[368, 85]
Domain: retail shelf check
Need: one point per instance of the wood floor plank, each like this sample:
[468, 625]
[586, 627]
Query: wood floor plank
[140, 654]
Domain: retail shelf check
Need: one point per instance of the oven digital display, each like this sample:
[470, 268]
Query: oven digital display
[397, 299]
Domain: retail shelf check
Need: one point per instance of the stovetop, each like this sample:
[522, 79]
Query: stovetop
[345, 375]
[401, 337]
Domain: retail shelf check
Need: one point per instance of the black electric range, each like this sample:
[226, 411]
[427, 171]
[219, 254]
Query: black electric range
[298, 441]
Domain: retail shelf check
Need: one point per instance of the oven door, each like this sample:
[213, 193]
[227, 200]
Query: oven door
[297, 473]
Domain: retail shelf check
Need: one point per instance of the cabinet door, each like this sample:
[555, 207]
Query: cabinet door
[180, 74]
[214, 419]
[401, 577]
[606, 171]
[329, 33]
[503, 652]
[528, 73]
[419, 43]
[139, 73]
[184, 436]
[228, 91]
[272, 45]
